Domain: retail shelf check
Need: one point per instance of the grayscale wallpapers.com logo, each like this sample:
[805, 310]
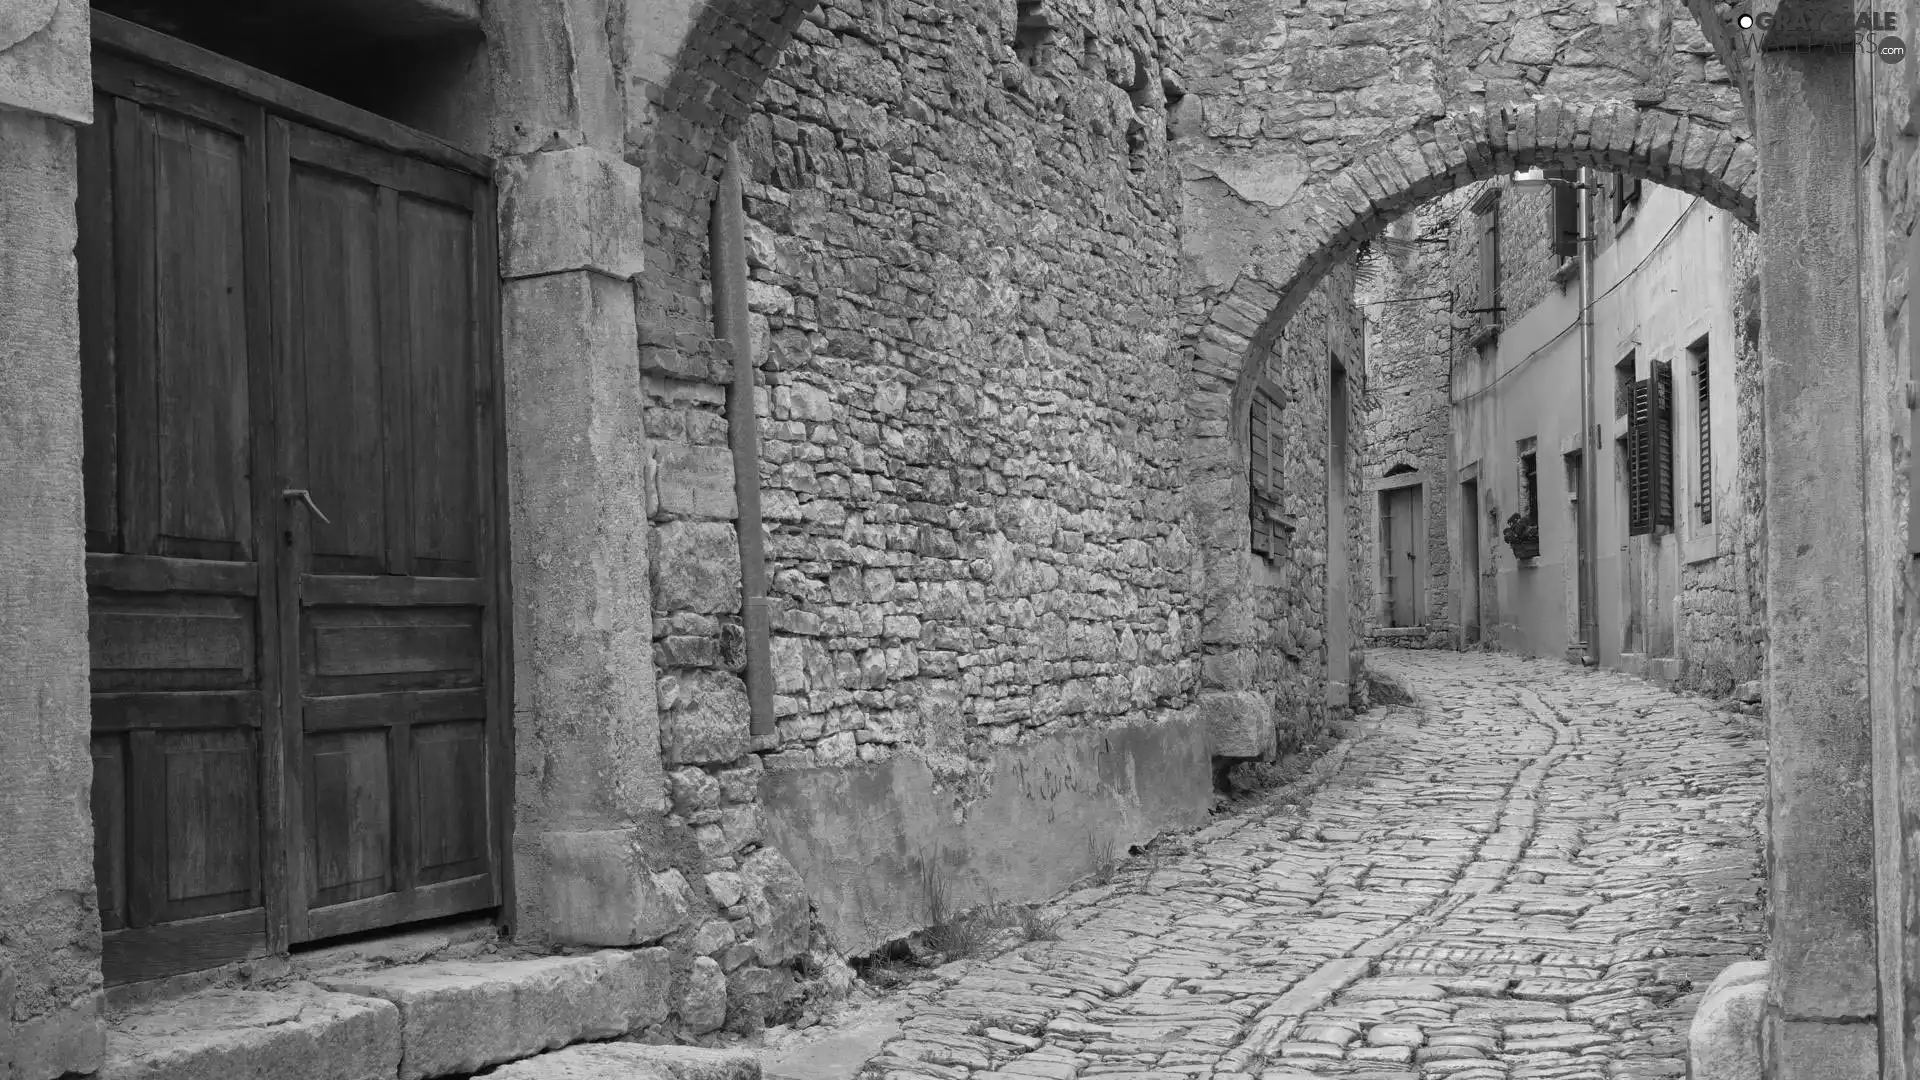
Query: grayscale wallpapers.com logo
[1871, 30]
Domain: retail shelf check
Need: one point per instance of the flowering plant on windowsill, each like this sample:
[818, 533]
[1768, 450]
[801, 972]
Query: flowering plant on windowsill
[1523, 536]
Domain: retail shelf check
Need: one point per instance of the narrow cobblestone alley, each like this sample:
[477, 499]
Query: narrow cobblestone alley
[1533, 872]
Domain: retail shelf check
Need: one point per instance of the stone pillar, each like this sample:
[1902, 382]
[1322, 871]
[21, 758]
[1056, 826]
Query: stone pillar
[590, 791]
[49, 924]
[1822, 1001]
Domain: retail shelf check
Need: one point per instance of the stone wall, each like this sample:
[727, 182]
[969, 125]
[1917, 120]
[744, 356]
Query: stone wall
[962, 254]
[965, 274]
[1411, 327]
[1290, 589]
[1888, 196]
[1722, 632]
[50, 1000]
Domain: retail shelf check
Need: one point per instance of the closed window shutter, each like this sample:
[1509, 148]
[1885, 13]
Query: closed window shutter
[1663, 445]
[1565, 212]
[1706, 437]
[1639, 455]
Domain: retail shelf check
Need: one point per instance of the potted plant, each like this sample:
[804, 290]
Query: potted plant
[1523, 536]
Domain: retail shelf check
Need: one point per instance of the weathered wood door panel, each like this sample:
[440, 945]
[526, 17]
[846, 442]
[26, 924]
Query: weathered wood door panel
[1401, 513]
[298, 730]
[179, 564]
[393, 635]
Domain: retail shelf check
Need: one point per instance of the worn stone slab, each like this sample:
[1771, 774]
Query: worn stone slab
[301, 1033]
[573, 209]
[1317, 989]
[598, 1061]
[1724, 1041]
[465, 1015]
[638, 1061]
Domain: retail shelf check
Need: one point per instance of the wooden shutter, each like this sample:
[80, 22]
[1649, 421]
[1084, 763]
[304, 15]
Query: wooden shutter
[1705, 413]
[1626, 192]
[1662, 442]
[1264, 464]
[1564, 216]
[1639, 455]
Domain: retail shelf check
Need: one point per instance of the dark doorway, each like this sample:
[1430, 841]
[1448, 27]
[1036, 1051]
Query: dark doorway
[1470, 562]
[294, 561]
[1402, 555]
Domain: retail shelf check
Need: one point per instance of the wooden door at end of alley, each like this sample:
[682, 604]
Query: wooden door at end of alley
[296, 723]
[1400, 525]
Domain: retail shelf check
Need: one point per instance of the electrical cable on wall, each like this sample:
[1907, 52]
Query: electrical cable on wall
[1575, 325]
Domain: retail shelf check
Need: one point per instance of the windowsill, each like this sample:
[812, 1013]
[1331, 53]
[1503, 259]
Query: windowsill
[1484, 336]
[1527, 562]
[1568, 272]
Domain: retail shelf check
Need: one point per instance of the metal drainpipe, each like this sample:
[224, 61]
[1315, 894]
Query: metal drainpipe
[1589, 466]
[727, 254]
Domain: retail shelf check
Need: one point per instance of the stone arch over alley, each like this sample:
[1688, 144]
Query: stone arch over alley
[1291, 143]
[1064, 235]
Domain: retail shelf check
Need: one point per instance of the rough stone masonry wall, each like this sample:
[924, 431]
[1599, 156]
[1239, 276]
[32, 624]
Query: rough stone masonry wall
[963, 248]
[970, 433]
[1409, 384]
[1291, 609]
[1722, 633]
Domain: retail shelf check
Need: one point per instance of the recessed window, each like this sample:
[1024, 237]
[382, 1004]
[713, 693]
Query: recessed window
[1703, 428]
[1265, 454]
[1649, 445]
[1486, 302]
[1626, 194]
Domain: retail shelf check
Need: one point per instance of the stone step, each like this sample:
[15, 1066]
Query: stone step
[632, 1061]
[464, 1015]
[303, 1031]
[404, 1023]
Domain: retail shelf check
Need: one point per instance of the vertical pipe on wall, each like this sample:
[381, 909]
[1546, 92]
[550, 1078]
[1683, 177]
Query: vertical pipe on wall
[727, 255]
[1589, 468]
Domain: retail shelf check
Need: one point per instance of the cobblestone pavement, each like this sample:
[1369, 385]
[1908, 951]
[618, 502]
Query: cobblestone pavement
[1536, 872]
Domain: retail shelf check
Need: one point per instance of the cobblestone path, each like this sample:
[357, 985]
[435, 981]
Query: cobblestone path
[1535, 872]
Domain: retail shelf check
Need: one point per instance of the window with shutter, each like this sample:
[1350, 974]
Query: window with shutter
[1662, 441]
[1623, 373]
[1626, 192]
[1530, 486]
[1264, 465]
[1639, 455]
[1703, 417]
[1564, 214]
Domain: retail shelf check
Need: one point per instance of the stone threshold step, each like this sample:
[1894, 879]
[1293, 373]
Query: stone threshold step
[410, 1022]
[632, 1061]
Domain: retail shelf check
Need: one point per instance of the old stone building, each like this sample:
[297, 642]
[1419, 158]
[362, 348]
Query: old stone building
[442, 504]
[1479, 422]
[649, 475]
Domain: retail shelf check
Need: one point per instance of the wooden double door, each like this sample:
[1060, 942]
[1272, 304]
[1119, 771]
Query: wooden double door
[293, 551]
